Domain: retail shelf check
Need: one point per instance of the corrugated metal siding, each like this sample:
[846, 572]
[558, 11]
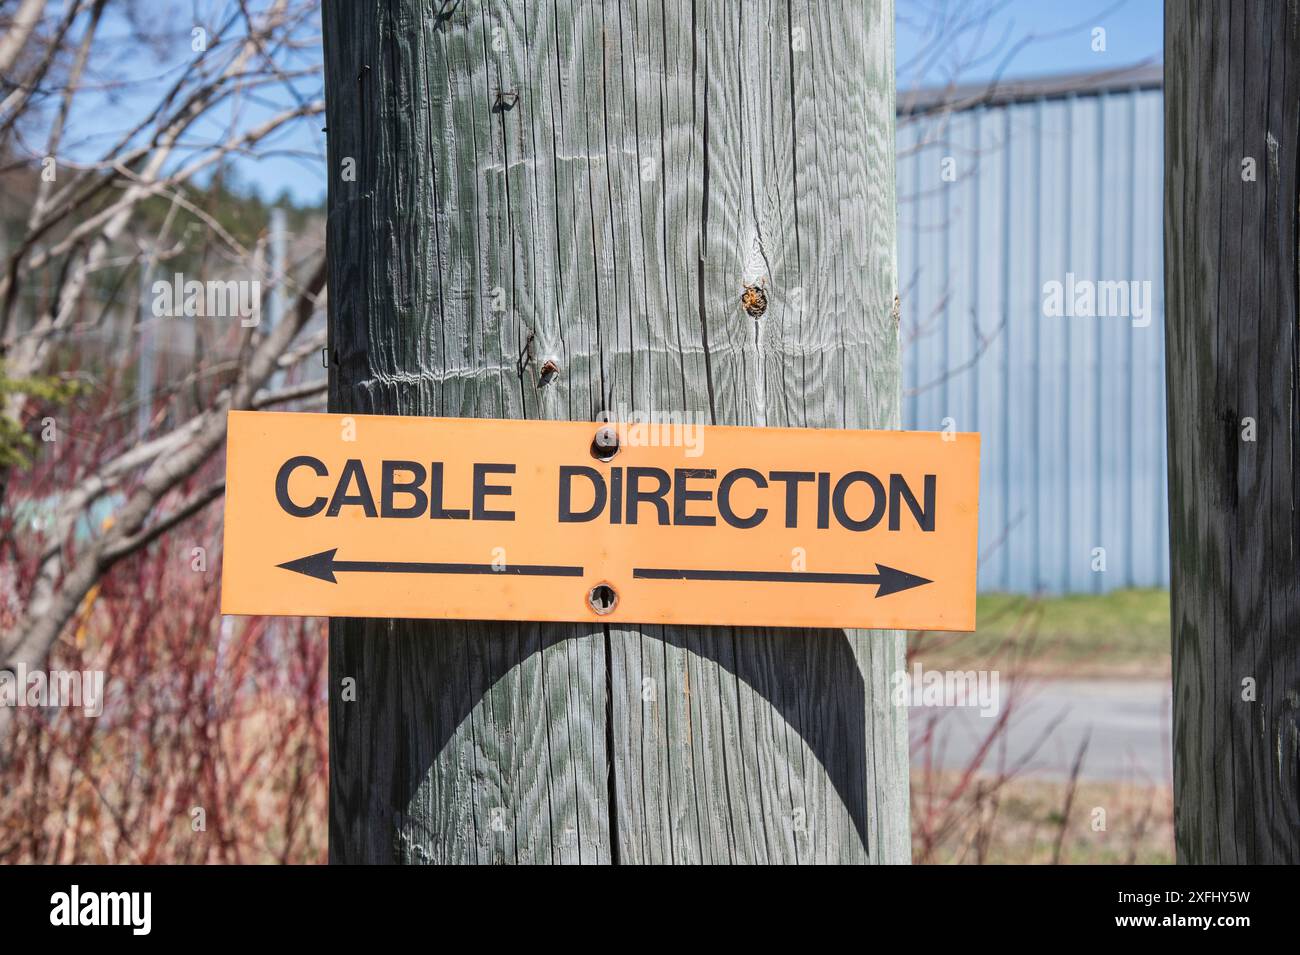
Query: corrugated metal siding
[1071, 409]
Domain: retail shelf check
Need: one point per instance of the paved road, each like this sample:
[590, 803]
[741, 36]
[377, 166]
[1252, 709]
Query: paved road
[1127, 724]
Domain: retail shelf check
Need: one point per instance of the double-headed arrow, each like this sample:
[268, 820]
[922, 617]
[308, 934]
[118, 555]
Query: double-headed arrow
[324, 566]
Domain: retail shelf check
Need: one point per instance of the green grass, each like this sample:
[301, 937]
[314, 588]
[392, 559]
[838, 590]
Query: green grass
[1125, 632]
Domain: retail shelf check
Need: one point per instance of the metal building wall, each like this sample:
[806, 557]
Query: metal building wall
[1071, 409]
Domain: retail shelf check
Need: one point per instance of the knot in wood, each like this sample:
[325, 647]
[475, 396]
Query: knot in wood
[754, 300]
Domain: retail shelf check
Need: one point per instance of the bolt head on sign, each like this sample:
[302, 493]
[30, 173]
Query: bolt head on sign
[486, 519]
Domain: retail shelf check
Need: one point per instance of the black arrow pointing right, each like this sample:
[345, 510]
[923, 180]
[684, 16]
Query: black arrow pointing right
[889, 580]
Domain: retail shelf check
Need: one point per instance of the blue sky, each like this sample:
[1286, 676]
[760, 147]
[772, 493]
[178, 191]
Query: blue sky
[982, 39]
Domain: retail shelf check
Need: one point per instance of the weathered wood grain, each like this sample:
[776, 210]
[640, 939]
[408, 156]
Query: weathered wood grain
[596, 183]
[1232, 90]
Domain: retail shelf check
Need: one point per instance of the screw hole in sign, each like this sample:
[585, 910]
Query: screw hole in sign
[605, 444]
[603, 599]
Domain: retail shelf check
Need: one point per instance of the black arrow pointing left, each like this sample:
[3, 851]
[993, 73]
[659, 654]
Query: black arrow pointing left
[323, 566]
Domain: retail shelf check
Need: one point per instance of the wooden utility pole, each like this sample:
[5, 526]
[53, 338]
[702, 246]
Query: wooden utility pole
[1232, 91]
[547, 209]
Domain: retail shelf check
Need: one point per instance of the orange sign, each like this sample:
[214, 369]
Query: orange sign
[484, 519]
